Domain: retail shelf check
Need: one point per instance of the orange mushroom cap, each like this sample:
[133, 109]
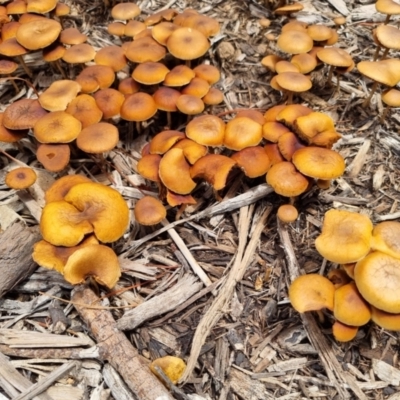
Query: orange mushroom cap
[149, 211]
[61, 187]
[208, 130]
[187, 44]
[253, 161]
[54, 157]
[20, 178]
[98, 138]
[242, 132]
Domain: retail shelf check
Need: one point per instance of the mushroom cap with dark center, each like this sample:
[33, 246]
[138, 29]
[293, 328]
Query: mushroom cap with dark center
[10, 135]
[294, 81]
[95, 77]
[254, 161]
[98, 138]
[109, 101]
[139, 106]
[20, 178]
[208, 130]
[111, 56]
[23, 114]
[179, 76]
[84, 109]
[145, 49]
[54, 157]
[150, 73]
[187, 44]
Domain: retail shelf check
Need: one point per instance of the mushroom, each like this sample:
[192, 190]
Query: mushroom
[95, 77]
[54, 157]
[385, 320]
[391, 97]
[109, 101]
[197, 87]
[350, 308]
[58, 190]
[164, 140]
[165, 99]
[344, 333]
[179, 76]
[208, 130]
[72, 36]
[111, 56]
[20, 178]
[149, 211]
[87, 207]
[345, 236]
[59, 94]
[253, 161]
[295, 42]
[388, 7]
[162, 31]
[189, 105]
[311, 292]
[150, 73]
[385, 238]
[293, 82]
[377, 277]
[148, 167]
[84, 108]
[23, 114]
[125, 11]
[242, 132]
[172, 367]
[287, 213]
[93, 261]
[286, 180]
[98, 138]
[37, 34]
[191, 150]
[145, 49]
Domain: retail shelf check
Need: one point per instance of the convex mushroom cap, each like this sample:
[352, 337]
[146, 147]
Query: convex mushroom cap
[345, 237]
[20, 178]
[149, 211]
[385, 238]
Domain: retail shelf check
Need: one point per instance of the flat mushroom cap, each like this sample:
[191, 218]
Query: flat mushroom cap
[23, 114]
[318, 162]
[166, 98]
[54, 157]
[149, 211]
[103, 206]
[145, 49]
[189, 105]
[286, 180]
[84, 108]
[72, 36]
[57, 127]
[97, 261]
[391, 97]
[174, 172]
[38, 34]
[242, 132]
[109, 101]
[187, 44]
[79, 54]
[98, 138]
[294, 81]
[125, 11]
[55, 257]
[377, 277]
[95, 77]
[208, 130]
[295, 42]
[164, 140]
[385, 238]
[311, 292]
[386, 71]
[111, 56]
[335, 56]
[20, 178]
[388, 7]
[214, 169]
[345, 236]
[208, 72]
[179, 76]
[61, 187]
[150, 73]
[59, 94]
[10, 135]
[148, 167]
[40, 6]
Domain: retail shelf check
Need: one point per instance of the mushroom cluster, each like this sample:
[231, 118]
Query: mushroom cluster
[309, 46]
[289, 145]
[366, 285]
[78, 217]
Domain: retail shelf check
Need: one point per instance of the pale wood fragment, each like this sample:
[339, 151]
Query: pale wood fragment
[185, 288]
[386, 372]
[16, 262]
[359, 160]
[245, 252]
[119, 389]
[116, 348]
[62, 392]
[247, 388]
[340, 5]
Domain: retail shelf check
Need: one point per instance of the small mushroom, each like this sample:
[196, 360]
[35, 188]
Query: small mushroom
[20, 178]
[172, 367]
[149, 211]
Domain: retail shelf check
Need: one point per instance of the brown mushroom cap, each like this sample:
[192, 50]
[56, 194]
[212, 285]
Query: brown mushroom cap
[385, 238]
[320, 163]
[349, 306]
[191, 150]
[295, 42]
[285, 66]
[20, 178]
[111, 56]
[40, 6]
[148, 167]
[273, 130]
[164, 140]
[208, 130]
[213, 97]
[270, 61]
[72, 36]
[97, 261]
[145, 49]
[242, 132]
[213, 168]
[197, 87]
[125, 11]
[345, 236]
[335, 56]
[23, 114]
[95, 77]
[189, 105]
[38, 34]
[9, 135]
[149, 211]
[54, 157]
[304, 62]
[319, 33]
[386, 71]
[208, 72]
[206, 25]
[288, 144]
[253, 161]
[273, 153]
[98, 138]
[290, 113]
[79, 54]
[150, 73]
[343, 332]
[139, 106]
[391, 97]
[55, 257]
[59, 94]
[287, 213]
[175, 199]
[162, 31]
[116, 28]
[294, 81]
[61, 187]
[187, 44]
[109, 101]
[57, 127]
[179, 76]
[84, 109]
[286, 180]
[174, 172]
[311, 292]
[166, 98]
[377, 277]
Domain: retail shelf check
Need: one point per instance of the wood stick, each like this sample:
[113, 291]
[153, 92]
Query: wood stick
[115, 348]
[16, 262]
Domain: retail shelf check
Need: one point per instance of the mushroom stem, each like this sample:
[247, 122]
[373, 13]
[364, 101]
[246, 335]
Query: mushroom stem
[371, 93]
[169, 119]
[138, 127]
[384, 114]
[386, 19]
[330, 74]
[25, 67]
[385, 53]
[289, 98]
[14, 84]
[376, 54]
[59, 68]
